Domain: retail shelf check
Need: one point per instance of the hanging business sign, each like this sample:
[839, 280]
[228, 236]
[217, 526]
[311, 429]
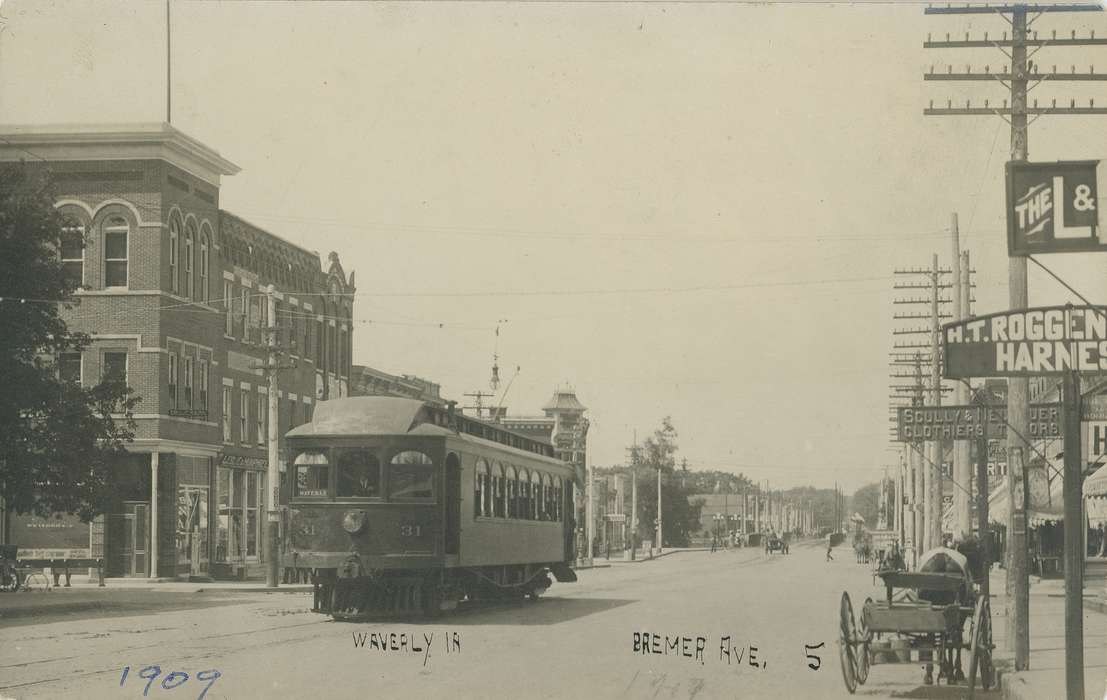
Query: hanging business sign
[964, 422]
[1029, 342]
[1052, 208]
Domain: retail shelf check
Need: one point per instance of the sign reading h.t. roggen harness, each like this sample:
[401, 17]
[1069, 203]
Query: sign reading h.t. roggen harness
[1029, 342]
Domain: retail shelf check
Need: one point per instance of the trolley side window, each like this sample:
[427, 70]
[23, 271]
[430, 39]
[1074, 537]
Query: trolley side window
[411, 475]
[358, 472]
[313, 473]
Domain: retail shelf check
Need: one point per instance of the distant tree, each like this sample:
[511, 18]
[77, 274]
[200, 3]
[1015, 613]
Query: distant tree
[57, 438]
[680, 518]
[866, 502]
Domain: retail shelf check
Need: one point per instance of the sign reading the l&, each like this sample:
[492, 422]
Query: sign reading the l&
[1052, 207]
[1029, 342]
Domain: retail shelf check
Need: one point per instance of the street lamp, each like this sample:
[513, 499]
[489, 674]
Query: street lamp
[715, 539]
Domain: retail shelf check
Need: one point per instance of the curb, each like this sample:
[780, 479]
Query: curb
[76, 606]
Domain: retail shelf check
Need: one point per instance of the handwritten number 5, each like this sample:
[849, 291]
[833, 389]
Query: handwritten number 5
[212, 676]
[150, 681]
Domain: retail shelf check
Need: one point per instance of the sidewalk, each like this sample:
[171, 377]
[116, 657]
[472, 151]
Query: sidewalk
[1046, 677]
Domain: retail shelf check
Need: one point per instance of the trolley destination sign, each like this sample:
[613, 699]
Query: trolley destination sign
[965, 422]
[1027, 342]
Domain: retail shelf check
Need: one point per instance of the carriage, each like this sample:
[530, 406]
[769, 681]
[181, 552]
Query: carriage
[776, 544]
[921, 620]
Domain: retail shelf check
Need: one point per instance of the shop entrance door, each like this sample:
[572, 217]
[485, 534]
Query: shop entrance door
[135, 546]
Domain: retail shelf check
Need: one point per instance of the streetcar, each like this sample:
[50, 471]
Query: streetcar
[400, 506]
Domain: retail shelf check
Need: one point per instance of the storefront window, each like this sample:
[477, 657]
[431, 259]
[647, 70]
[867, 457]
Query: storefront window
[252, 520]
[411, 475]
[359, 473]
[192, 527]
[238, 526]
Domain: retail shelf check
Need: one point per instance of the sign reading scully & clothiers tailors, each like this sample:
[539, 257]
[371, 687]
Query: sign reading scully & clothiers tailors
[1052, 207]
[964, 422]
[1048, 340]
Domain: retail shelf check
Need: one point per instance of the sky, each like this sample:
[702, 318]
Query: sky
[679, 209]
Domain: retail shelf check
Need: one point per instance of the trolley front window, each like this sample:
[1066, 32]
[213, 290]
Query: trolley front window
[313, 473]
[411, 475]
[359, 473]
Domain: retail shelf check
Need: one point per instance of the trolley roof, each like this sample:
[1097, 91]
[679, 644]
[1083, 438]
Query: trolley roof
[387, 415]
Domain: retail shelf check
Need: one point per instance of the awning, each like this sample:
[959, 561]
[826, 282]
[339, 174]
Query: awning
[1095, 486]
[999, 505]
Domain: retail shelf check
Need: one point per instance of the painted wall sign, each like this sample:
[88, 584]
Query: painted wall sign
[1028, 342]
[964, 422]
[1052, 208]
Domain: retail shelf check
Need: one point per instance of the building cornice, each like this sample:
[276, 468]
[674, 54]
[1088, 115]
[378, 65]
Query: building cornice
[141, 141]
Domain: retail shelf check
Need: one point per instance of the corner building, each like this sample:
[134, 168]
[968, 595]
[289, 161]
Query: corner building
[175, 297]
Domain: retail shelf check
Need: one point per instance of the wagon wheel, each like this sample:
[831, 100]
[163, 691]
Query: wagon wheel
[980, 649]
[865, 637]
[847, 633]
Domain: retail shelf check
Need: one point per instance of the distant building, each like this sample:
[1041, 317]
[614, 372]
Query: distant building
[723, 511]
[367, 381]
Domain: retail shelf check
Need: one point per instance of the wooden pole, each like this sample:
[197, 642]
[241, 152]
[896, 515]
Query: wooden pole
[1074, 540]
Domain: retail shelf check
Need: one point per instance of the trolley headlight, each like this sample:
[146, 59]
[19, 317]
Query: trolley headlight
[354, 521]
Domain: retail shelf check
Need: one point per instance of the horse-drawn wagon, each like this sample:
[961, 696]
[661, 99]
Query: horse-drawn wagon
[922, 620]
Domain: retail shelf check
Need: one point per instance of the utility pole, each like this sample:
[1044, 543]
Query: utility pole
[274, 477]
[633, 455]
[478, 401]
[1017, 79]
[590, 511]
[659, 542]
[1074, 537]
[962, 503]
[935, 465]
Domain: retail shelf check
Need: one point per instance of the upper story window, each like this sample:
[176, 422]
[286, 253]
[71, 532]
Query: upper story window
[263, 408]
[115, 367]
[227, 401]
[72, 252]
[188, 382]
[202, 385]
[411, 475]
[228, 301]
[174, 252]
[69, 367]
[244, 415]
[205, 247]
[189, 253]
[172, 379]
[116, 232]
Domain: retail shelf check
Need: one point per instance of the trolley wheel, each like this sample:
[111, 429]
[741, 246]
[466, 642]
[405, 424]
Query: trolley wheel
[866, 637]
[847, 634]
[980, 648]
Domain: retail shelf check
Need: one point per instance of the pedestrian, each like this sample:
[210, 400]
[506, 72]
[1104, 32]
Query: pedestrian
[828, 550]
[714, 543]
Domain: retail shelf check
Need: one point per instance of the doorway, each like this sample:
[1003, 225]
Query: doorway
[453, 504]
[134, 544]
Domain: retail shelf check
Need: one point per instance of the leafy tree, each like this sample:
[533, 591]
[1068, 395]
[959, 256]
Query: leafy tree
[58, 438]
[866, 502]
[680, 518]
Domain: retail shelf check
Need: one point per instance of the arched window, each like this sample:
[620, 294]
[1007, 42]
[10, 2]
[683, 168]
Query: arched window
[72, 252]
[498, 492]
[411, 475]
[481, 495]
[174, 252]
[116, 232]
[557, 498]
[189, 282]
[205, 246]
[535, 496]
[541, 496]
[512, 493]
[524, 495]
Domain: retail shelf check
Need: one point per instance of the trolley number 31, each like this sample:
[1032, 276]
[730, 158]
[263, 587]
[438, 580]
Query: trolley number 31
[172, 681]
[410, 531]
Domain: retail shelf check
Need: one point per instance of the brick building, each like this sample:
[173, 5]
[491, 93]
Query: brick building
[175, 299]
[367, 381]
